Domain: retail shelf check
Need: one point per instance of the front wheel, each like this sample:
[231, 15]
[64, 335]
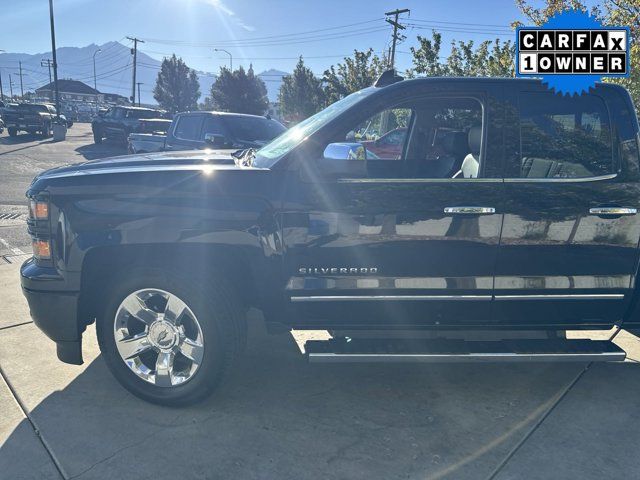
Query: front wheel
[169, 340]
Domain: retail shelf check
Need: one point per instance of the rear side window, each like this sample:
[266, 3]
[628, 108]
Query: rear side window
[564, 137]
[212, 124]
[188, 127]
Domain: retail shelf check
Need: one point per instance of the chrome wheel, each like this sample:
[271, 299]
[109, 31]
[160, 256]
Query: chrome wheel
[158, 337]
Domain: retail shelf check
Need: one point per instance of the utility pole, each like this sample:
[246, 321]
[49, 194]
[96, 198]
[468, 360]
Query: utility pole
[55, 60]
[46, 62]
[139, 83]
[11, 86]
[1, 92]
[396, 26]
[134, 52]
[21, 89]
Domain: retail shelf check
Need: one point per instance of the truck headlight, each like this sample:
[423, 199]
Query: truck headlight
[38, 210]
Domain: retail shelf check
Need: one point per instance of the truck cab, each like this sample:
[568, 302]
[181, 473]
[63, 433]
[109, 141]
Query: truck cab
[506, 216]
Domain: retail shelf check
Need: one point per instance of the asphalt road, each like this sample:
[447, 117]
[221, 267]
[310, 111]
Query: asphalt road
[23, 157]
[279, 417]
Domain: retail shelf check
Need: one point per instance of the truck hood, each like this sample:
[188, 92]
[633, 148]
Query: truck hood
[211, 159]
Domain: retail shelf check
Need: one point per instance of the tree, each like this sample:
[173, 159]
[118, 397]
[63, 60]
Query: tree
[612, 12]
[301, 93]
[177, 88]
[238, 91]
[491, 58]
[356, 73]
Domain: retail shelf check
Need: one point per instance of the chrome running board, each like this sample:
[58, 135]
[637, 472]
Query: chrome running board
[345, 350]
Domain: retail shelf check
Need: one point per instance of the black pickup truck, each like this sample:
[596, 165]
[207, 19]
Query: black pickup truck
[32, 118]
[222, 130]
[506, 217]
[119, 122]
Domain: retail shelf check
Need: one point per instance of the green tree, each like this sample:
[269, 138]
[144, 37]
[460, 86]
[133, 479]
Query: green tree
[177, 88]
[611, 12]
[491, 58]
[239, 91]
[301, 93]
[355, 73]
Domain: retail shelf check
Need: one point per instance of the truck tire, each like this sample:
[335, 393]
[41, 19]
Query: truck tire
[46, 130]
[164, 358]
[12, 131]
[97, 136]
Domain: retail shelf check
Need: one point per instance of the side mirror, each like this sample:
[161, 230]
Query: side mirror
[215, 140]
[344, 159]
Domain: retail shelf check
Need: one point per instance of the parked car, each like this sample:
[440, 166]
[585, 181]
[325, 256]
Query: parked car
[32, 118]
[118, 122]
[194, 130]
[509, 218]
[388, 145]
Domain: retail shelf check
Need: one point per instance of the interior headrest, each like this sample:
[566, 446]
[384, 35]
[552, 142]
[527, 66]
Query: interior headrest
[475, 138]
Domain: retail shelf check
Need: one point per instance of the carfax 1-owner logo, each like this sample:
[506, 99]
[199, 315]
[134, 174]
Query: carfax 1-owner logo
[572, 51]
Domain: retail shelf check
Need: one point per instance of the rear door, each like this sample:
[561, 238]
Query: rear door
[185, 134]
[568, 250]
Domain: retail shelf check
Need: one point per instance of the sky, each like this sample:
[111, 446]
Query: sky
[266, 33]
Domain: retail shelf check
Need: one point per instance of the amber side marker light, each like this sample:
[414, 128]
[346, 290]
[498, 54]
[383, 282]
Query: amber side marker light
[41, 249]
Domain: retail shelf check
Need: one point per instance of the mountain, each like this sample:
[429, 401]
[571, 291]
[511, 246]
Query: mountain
[113, 71]
[272, 80]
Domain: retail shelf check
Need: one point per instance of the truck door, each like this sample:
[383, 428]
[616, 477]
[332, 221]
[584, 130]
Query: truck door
[401, 237]
[568, 251]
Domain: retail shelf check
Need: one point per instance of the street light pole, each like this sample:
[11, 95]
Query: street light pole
[230, 56]
[94, 69]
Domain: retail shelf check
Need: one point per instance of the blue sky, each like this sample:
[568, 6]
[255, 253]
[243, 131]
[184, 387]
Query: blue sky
[191, 28]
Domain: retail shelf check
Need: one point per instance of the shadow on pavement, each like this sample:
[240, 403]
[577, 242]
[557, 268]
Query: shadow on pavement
[279, 417]
[105, 149]
[22, 138]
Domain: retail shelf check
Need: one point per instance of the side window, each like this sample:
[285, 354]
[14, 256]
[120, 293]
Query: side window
[188, 127]
[212, 124]
[428, 138]
[564, 137]
[383, 135]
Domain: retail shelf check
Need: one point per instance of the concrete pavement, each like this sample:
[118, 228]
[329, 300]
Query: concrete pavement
[279, 417]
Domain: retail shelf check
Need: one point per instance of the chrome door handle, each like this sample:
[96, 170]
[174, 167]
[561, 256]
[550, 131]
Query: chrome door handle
[470, 210]
[617, 211]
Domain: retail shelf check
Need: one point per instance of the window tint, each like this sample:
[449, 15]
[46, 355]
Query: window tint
[253, 129]
[188, 127]
[564, 137]
[427, 138]
[141, 114]
[212, 124]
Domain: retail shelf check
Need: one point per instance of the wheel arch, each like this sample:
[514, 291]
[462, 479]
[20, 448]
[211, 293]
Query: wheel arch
[102, 265]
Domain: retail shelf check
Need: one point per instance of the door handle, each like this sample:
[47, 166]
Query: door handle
[613, 211]
[470, 210]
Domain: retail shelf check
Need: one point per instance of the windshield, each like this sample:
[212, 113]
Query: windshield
[32, 108]
[272, 152]
[253, 129]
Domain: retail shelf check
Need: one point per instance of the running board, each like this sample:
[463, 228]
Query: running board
[346, 350]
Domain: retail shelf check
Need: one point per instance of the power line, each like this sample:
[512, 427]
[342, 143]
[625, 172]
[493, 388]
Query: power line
[308, 39]
[269, 37]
